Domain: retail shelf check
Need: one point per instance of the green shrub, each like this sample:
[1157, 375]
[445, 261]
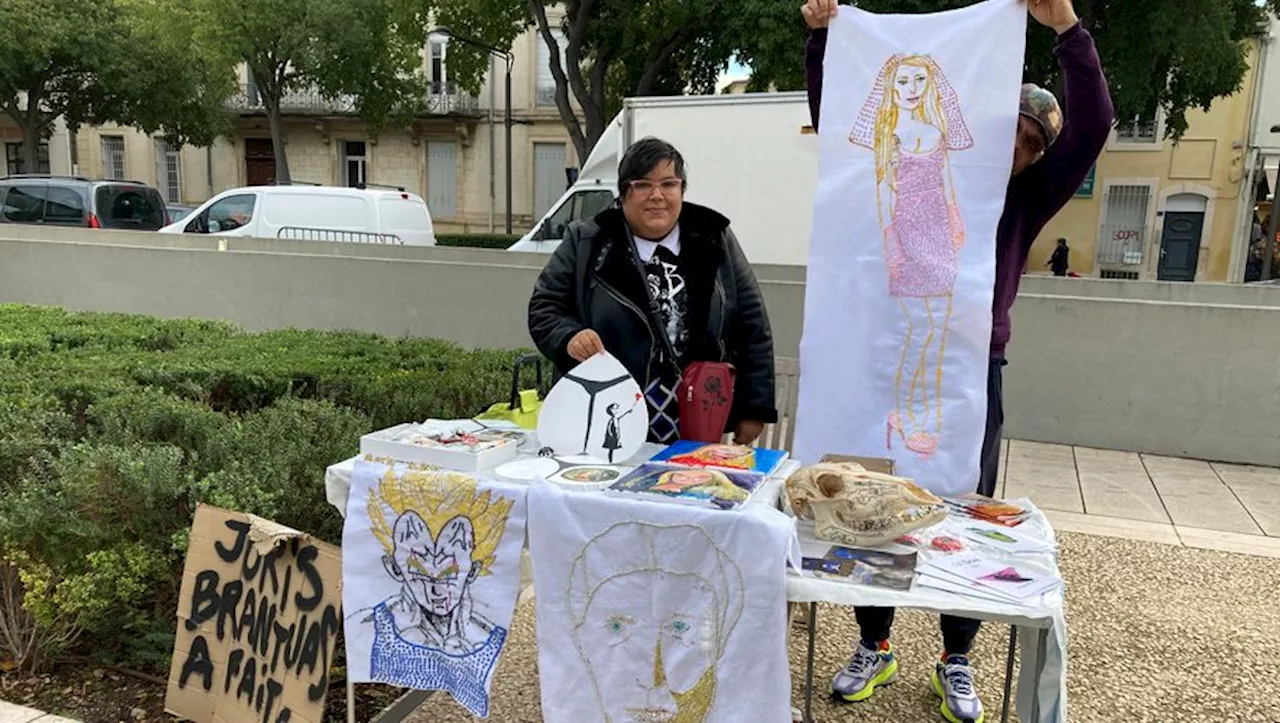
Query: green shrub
[477, 240]
[93, 539]
[114, 427]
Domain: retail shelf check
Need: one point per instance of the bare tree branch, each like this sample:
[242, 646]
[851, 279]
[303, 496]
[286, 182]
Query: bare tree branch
[573, 58]
[656, 62]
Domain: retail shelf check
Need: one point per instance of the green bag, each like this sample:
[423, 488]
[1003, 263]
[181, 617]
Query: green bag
[524, 405]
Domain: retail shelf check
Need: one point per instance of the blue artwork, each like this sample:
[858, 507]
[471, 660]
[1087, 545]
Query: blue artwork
[734, 457]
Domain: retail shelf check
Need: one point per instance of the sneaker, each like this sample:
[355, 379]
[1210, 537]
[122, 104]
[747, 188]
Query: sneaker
[953, 682]
[867, 669]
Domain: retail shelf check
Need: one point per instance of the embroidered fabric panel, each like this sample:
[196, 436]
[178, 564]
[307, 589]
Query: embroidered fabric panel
[659, 611]
[917, 135]
[431, 572]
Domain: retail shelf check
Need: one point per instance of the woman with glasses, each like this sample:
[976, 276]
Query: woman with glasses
[658, 283]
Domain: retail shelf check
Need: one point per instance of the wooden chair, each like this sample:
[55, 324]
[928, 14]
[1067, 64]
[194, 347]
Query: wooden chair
[782, 435]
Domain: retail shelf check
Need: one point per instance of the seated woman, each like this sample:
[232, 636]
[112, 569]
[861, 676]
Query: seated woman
[658, 283]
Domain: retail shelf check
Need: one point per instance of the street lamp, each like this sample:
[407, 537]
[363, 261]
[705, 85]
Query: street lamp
[506, 56]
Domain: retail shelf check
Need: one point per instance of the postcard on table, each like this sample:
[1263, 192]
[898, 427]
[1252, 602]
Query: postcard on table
[737, 458]
[875, 567]
[715, 487]
[1013, 540]
[1018, 579]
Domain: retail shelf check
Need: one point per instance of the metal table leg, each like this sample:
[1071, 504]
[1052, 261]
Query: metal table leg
[1008, 673]
[808, 672]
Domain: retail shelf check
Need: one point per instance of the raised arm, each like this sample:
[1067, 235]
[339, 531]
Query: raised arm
[1088, 115]
[815, 49]
[817, 15]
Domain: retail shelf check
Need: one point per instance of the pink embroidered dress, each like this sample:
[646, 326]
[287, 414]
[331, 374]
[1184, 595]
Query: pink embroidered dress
[920, 243]
[922, 254]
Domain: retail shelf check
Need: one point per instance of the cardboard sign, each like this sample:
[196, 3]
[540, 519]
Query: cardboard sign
[257, 621]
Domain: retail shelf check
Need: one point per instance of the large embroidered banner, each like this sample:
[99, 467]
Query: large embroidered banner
[431, 572]
[659, 612]
[919, 114]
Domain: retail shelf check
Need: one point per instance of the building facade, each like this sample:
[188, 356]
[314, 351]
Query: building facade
[453, 154]
[1153, 209]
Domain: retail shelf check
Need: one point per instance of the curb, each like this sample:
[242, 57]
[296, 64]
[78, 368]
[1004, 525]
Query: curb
[11, 713]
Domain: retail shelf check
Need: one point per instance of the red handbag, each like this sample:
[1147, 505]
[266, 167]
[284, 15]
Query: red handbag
[706, 399]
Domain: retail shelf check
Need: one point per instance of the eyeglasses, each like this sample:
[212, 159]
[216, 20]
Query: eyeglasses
[669, 186]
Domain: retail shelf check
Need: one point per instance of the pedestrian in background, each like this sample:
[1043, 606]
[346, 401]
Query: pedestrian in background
[1061, 259]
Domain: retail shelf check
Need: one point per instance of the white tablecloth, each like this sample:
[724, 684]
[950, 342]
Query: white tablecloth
[1042, 681]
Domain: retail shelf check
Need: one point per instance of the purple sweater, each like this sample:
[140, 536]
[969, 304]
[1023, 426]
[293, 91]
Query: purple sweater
[1039, 192]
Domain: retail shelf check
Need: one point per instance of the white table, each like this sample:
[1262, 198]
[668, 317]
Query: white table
[1041, 626]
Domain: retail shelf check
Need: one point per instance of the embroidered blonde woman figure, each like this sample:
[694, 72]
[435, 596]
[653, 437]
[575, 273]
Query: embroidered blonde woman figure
[912, 122]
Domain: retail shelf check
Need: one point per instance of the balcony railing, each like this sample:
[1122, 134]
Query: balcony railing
[441, 99]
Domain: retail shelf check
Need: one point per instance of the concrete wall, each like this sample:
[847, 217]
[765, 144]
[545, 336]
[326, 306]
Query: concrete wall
[1160, 368]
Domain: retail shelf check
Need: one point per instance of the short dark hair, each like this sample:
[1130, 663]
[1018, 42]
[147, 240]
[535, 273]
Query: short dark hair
[1062, 240]
[642, 157]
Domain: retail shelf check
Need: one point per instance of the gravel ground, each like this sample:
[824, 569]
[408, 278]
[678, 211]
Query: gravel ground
[1157, 634]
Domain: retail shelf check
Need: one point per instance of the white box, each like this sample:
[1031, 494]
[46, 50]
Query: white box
[383, 443]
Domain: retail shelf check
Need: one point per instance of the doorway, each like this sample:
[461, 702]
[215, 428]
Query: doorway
[1180, 242]
[259, 162]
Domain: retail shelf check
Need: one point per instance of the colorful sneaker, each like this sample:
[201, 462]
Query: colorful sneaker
[953, 682]
[867, 669]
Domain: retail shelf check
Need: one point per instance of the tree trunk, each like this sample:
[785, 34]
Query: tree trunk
[567, 116]
[31, 149]
[275, 122]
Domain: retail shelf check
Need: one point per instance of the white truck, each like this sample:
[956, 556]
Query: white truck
[752, 157]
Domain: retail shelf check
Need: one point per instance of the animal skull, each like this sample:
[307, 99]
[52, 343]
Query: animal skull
[853, 506]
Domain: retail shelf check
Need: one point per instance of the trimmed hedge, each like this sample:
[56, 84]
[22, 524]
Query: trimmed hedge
[114, 427]
[477, 240]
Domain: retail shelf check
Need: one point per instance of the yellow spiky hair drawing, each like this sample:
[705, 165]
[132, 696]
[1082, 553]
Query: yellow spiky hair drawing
[438, 496]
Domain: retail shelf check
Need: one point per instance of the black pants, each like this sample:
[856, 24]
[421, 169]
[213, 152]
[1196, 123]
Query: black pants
[875, 624]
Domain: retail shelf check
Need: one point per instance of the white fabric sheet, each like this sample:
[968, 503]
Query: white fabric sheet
[919, 114]
[430, 572]
[655, 611]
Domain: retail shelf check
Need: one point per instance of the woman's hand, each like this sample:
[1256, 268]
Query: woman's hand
[747, 431]
[1057, 14]
[819, 13]
[585, 344]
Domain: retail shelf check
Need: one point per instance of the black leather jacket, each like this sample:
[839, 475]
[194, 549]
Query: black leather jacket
[594, 281]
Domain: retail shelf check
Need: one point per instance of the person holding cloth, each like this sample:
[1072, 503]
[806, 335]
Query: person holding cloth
[659, 284]
[1052, 156]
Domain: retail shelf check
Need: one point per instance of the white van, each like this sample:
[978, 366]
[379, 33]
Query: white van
[749, 156]
[314, 213]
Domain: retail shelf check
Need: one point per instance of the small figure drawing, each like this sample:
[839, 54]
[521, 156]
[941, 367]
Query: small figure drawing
[593, 387]
[612, 433]
[439, 537]
[653, 657]
[912, 122]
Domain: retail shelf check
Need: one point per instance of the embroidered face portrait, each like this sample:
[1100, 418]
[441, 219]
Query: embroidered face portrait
[653, 608]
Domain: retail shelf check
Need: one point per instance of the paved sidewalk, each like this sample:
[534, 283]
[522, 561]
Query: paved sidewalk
[1212, 506]
[10, 713]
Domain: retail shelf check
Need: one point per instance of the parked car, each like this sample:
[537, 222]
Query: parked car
[177, 213]
[77, 201]
[314, 213]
